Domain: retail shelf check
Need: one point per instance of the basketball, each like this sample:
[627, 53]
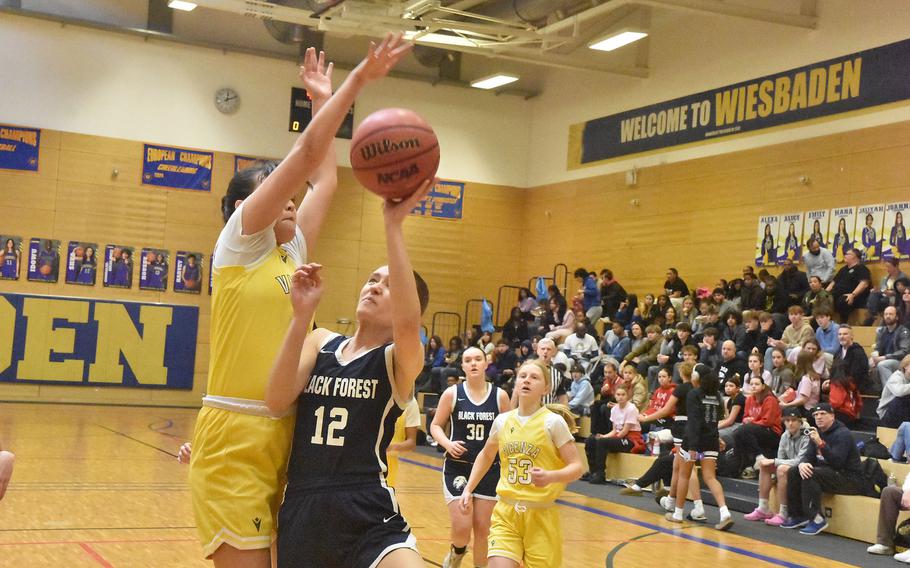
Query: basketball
[393, 151]
[45, 269]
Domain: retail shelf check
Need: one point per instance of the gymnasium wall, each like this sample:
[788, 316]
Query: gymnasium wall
[75, 196]
[701, 216]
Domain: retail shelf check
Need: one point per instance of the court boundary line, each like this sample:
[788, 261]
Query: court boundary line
[95, 556]
[653, 527]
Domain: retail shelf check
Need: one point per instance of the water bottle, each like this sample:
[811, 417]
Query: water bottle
[892, 481]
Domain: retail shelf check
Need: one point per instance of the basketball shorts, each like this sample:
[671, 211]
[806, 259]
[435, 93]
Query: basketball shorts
[528, 534]
[351, 527]
[237, 477]
[707, 448]
[678, 429]
[455, 475]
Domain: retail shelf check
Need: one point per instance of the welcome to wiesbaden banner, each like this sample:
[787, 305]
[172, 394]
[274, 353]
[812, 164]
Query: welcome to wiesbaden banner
[861, 80]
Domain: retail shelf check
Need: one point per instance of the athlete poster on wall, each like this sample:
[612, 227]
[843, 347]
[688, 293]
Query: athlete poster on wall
[868, 232]
[19, 148]
[789, 235]
[815, 226]
[153, 269]
[118, 266]
[840, 231]
[212, 273]
[895, 243]
[81, 263]
[10, 257]
[766, 242]
[188, 272]
[43, 260]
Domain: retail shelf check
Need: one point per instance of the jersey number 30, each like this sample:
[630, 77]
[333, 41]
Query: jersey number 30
[520, 471]
[339, 419]
[475, 432]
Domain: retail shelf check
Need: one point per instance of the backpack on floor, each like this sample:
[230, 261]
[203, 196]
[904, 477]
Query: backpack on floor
[874, 478]
[875, 449]
[902, 536]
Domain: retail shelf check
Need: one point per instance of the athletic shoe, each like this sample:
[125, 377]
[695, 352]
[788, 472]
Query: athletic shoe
[672, 519]
[724, 524]
[880, 549]
[814, 528]
[629, 490]
[758, 515]
[775, 521]
[597, 479]
[903, 557]
[697, 515]
[749, 473]
[453, 559]
[660, 494]
[586, 476]
[667, 504]
[794, 523]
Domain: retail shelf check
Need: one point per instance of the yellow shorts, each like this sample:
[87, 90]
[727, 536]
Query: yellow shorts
[533, 536]
[238, 472]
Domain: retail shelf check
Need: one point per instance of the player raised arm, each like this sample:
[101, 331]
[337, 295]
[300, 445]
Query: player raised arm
[291, 370]
[312, 146]
[406, 303]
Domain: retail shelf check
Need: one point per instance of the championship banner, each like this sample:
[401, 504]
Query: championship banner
[243, 162]
[118, 266]
[788, 238]
[445, 201]
[816, 227]
[896, 244]
[188, 272]
[19, 148]
[868, 231]
[840, 231]
[177, 168]
[153, 269]
[43, 260]
[765, 243]
[87, 342]
[864, 79]
[10, 257]
[81, 263]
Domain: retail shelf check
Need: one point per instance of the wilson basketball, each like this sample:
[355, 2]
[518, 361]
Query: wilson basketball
[393, 151]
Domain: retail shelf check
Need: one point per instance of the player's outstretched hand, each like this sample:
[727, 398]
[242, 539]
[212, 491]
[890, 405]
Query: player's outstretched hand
[466, 502]
[306, 288]
[540, 477]
[382, 58]
[183, 455]
[396, 212]
[7, 460]
[316, 76]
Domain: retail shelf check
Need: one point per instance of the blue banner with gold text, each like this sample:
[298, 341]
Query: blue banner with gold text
[177, 168]
[445, 201]
[81, 341]
[19, 148]
[860, 80]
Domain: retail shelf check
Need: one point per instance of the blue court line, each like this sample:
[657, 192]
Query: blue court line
[658, 528]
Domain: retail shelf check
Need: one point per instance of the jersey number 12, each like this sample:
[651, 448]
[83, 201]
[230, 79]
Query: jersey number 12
[339, 419]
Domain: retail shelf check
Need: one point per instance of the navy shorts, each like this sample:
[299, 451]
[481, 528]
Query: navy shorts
[455, 476]
[355, 527]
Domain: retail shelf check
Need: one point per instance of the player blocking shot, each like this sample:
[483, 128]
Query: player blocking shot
[338, 509]
[470, 408]
[538, 458]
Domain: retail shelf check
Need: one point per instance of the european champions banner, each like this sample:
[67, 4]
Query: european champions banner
[177, 168]
[864, 79]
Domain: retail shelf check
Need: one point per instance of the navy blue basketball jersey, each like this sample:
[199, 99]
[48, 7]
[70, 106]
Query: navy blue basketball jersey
[345, 419]
[471, 421]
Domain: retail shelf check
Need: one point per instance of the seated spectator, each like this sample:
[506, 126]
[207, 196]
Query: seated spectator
[524, 352]
[849, 374]
[793, 282]
[628, 312]
[606, 382]
[894, 405]
[624, 437]
[821, 362]
[440, 375]
[636, 387]
[903, 307]
[526, 303]
[768, 326]
[689, 354]
[661, 470]
[752, 295]
[581, 394]
[708, 320]
[485, 343]
[589, 292]
[794, 335]
[559, 322]
[892, 344]
[819, 262]
[658, 400]
[636, 335]
[884, 296]
[756, 369]
[754, 341]
[617, 343]
[850, 286]
[735, 406]
[646, 353]
[675, 287]
[687, 312]
[516, 329]
[734, 331]
[901, 444]
[817, 298]
[894, 499]
[723, 305]
[776, 301]
[808, 392]
[831, 464]
[649, 310]
[434, 356]
[709, 349]
[670, 350]
[781, 372]
[730, 365]
[581, 347]
[503, 363]
[612, 294]
[669, 319]
[759, 435]
[794, 442]
[826, 332]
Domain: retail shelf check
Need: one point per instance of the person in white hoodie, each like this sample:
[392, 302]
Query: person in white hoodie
[894, 404]
[894, 500]
[581, 393]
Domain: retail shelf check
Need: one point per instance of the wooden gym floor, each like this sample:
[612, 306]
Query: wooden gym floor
[100, 486]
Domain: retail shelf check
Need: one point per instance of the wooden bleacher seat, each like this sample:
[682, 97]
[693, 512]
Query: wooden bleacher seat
[858, 317]
[620, 466]
[886, 435]
[865, 336]
[853, 516]
[584, 426]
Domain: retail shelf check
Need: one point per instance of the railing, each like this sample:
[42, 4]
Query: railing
[496, 321]
[565, 277]
[468, 322]
[446, 325]
[532, 283]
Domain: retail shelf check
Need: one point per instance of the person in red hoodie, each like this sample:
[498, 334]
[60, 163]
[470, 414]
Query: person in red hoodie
[760, 433]
[658, 400]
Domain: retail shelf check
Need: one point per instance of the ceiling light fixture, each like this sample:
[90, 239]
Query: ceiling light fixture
[444, 39]
[181, 5]
[617, 40]
[493, 81]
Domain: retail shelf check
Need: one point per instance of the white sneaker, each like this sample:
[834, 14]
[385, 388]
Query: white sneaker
[880, 549]
[453, 559]
[903, 557]
[667, 504]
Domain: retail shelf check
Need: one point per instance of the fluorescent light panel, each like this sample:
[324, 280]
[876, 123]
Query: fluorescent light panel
[181, 5]
[443, 39]
[494, 81]
[617, 40]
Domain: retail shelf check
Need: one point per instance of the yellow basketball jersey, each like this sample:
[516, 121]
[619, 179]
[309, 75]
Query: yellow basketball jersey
[521, 449]
[250, 316]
